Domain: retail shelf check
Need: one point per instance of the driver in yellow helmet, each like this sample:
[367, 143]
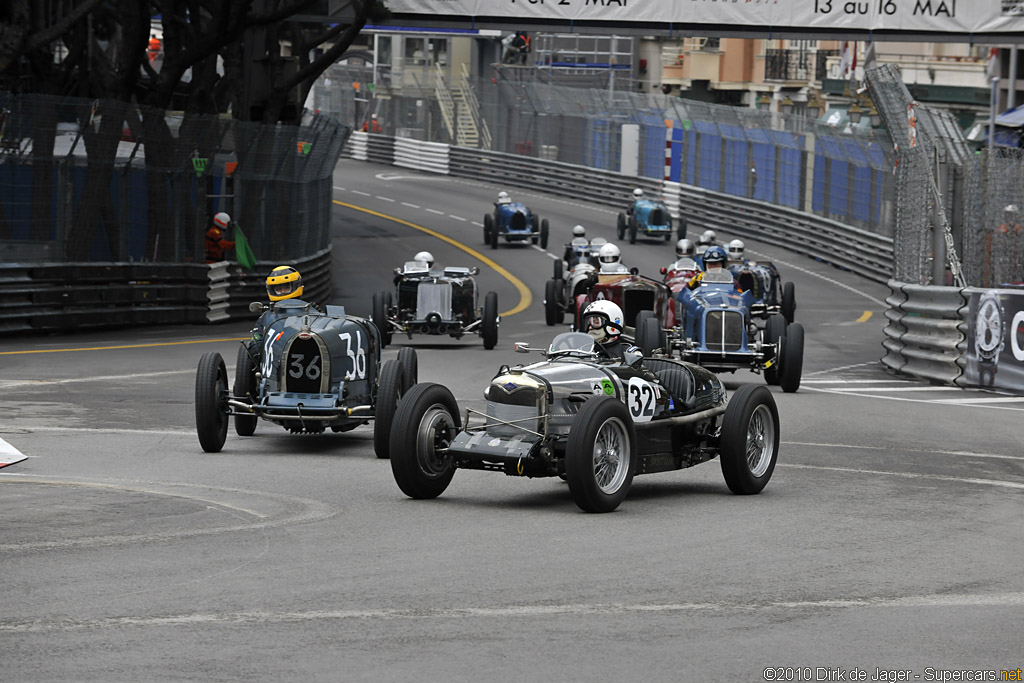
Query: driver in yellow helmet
[284, 282]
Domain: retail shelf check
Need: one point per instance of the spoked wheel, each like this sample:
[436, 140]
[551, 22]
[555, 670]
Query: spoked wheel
[392, 386]
[750, 439]
[211, 408]
[489, 326]
[245, 387]
[774, 331]
[426, 423]
[599, 458]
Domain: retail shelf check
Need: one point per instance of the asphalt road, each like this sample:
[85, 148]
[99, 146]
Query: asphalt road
[889, 538]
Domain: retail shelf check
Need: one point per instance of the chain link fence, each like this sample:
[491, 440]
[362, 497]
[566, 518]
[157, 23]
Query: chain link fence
[787, 160]
[108, 181]
[943, 184]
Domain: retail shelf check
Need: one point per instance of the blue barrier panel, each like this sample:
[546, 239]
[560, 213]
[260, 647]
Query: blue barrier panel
[763, 152]
[138, 210]
[710, 143]
[654, 151]
[736, 169]
[861, 198]
[17, 214]
[676, 166]
[691, 155]
[598, 144]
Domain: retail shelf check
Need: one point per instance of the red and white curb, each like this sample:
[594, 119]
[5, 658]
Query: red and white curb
[9, 454]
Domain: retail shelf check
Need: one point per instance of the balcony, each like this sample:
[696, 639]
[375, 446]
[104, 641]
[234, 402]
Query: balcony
[800, 66]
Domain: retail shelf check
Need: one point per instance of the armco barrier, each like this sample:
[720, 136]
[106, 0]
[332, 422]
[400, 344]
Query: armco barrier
[926, 332]
[856, 250]
[423, 156]
[80, 296]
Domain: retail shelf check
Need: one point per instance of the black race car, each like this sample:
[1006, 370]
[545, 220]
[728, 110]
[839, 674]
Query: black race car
[436, 301]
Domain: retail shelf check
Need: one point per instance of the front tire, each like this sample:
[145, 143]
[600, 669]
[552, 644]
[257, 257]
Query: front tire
[648, 332]
[426, 422]
[489, 326]
[792, 358]
[211, 411]
[559, 269]
[774, 331]
[245, 386]
[544, 228]
[552, 308]
[488, 227]
[494, 237]
[620, 226]
[750, 439]
[410, 366]
[632, 230]
[600, 455]
[392, 386]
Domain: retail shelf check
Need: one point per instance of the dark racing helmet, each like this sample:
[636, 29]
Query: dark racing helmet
[284, 282]
[685, 247]
[714, 257]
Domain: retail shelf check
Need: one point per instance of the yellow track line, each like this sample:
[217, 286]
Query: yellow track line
[864, 317]
[129, 346]
[525, 298]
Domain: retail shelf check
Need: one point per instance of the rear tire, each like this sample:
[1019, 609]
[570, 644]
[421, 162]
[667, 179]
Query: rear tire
[559, 269]
[544, 234]
[792, 358]
[211, 411]
[488, 227]
[427, 420]
[620, 227]
[410, 366]
[789, 301]
[552, 307]
[632, 230]
[490, 321]
[600, 455]
[380, 316]
[392, 386]
[648, 333]
[494, 237]
[245, 386]
[749, 446]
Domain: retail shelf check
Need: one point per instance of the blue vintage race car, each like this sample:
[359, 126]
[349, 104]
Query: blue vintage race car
[771, 295]
[650, 218]
[516, 223]
[304, 369]
[717, 330]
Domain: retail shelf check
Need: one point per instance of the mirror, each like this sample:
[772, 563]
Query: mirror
[257, 307]
[663, 270]
[634, 271]
[522, 347]
[633, 356]
[475, 270]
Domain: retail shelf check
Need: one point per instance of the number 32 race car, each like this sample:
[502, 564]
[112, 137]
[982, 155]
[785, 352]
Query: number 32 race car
[305, 370]
[595, 421]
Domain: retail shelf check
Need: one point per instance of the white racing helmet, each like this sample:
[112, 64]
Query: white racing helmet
[685, 247]
[735, 250]
[424, 257]
[602, 320]
[707, 237]
[579, 231]
[608, 254]
[503, 198]
[638, 193]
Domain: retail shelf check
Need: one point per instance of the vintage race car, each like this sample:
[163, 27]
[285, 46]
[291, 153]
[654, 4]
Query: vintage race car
[305, 370]
[717, 330]
[770, 294]
[595, 422]
[515, 223]
[632, 292]
[571, 277]
[436, 301]
[650, 218]
[677, 275]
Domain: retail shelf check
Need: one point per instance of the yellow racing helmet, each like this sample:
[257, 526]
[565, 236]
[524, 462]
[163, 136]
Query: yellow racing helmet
[284, 282]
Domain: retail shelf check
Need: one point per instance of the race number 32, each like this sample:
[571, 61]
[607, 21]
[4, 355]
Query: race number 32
[357, 356]
[641, 398]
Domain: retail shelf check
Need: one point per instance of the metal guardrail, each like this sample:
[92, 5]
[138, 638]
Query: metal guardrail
[925, 334]
[423, 156]
[70, 297]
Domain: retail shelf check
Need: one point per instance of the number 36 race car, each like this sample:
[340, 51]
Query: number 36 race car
[595, 421]
[305, 370]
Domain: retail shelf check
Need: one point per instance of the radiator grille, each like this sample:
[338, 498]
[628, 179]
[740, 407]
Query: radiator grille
[723, 330]
[434, 298]
[510, 413]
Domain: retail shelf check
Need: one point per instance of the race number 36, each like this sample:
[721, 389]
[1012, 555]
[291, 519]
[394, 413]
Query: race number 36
[641, 398]
[357, 356]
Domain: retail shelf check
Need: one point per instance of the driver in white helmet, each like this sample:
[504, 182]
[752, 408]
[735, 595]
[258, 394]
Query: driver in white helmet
[637, 195]
[574, 249]
[734, 250]
[603, 321]
[503, 198]
[424, 257]
[686, 251]
[609, 256]
[415, 268]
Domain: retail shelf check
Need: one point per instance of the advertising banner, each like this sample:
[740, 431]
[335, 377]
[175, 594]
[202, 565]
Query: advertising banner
[943, 16]
[995, 339]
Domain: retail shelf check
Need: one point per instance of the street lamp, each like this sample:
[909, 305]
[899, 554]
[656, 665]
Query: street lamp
[764, 103]
[814, 108]
[855, 113]
[876, 119]
[786, 107]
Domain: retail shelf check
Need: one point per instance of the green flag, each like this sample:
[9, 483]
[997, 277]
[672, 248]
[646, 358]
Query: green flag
[243, 252]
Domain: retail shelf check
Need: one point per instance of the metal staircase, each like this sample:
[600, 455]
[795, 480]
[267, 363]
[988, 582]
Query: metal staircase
[460, 111]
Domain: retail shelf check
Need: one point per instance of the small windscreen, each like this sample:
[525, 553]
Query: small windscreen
[572, 341]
